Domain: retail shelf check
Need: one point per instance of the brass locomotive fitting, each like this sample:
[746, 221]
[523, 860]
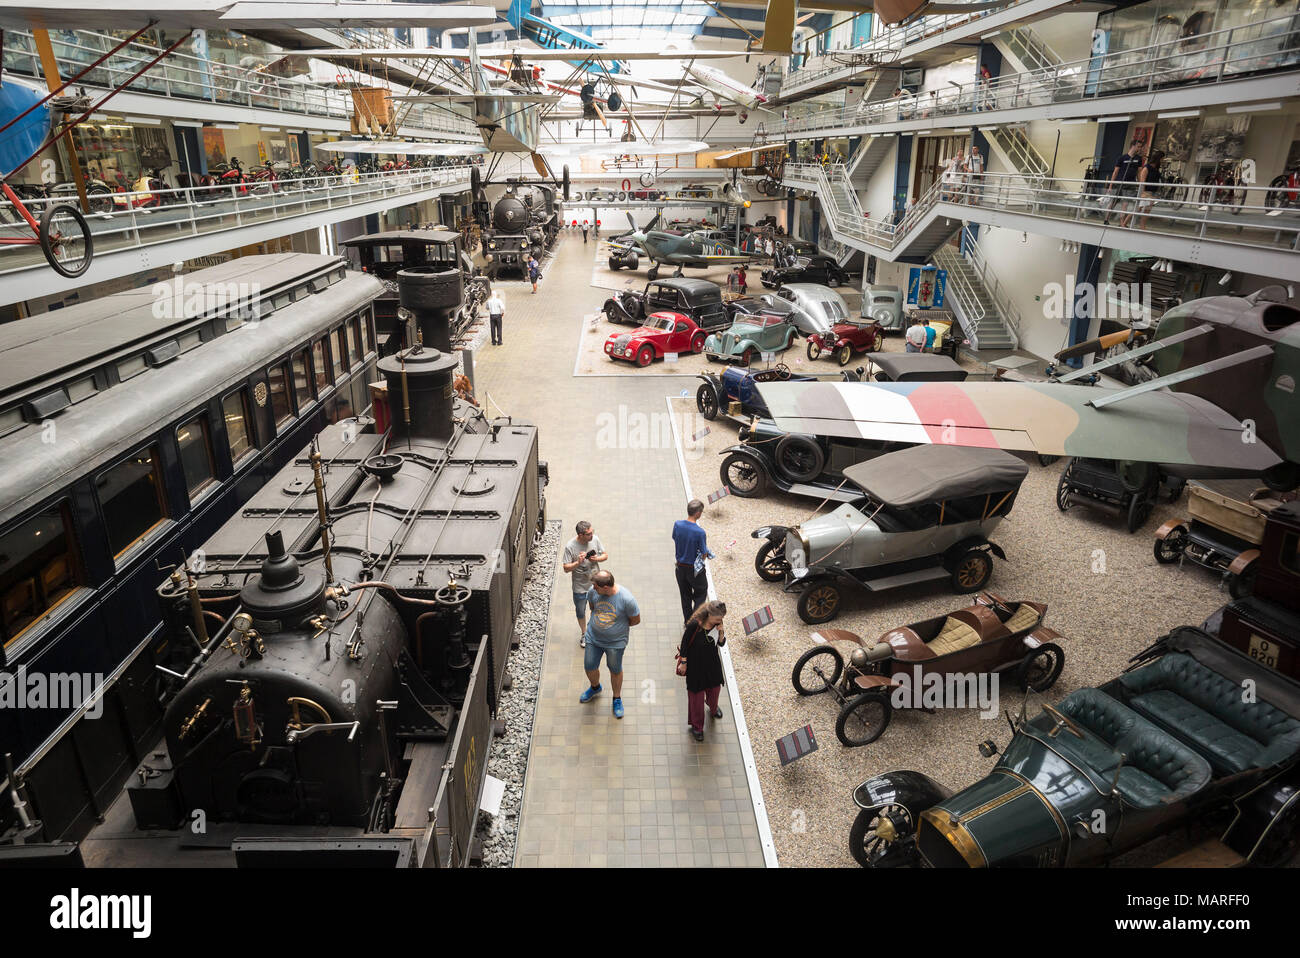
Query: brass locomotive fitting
[322, 514]
[181, 579]
[188, 725]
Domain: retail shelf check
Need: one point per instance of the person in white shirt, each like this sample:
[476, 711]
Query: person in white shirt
[496, 309]
[915, 336]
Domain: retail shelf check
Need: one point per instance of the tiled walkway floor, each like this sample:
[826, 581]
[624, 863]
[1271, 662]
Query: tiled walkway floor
[604, 792]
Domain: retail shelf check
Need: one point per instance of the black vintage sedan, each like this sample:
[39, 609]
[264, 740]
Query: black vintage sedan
[819, 268]
[698, 299]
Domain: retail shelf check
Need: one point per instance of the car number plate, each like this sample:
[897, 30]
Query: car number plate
[1263, 651]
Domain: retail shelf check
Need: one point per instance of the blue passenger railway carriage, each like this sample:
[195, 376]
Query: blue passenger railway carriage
[131, 428]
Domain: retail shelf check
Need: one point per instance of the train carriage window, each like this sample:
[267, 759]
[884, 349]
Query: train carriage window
[196, 455]
[336, 353]
[366, 340]
[281, 400]
[319, 364]
[131, 496]
[38, 569]
[354, 356]
[239, 428]
[302, 380]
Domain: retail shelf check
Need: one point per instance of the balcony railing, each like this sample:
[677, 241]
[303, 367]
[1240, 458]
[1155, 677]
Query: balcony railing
[1223, 55]
[184, 76]
[182, 213]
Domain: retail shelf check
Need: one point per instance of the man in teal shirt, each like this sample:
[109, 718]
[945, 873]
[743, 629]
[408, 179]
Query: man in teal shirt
[613, 612]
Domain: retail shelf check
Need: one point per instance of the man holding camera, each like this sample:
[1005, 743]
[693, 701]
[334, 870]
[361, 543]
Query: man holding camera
[581, 560]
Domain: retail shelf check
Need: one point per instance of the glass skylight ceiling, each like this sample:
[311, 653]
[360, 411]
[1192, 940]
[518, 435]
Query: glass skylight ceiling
[604, 19]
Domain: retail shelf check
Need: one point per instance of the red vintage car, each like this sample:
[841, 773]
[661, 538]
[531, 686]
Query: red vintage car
[845, 339]
[661, 333]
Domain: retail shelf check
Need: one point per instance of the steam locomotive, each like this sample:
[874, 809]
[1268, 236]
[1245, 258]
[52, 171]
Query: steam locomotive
[350, 629]
[524, 222]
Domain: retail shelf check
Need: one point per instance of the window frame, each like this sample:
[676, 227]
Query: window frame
[214, 479]
[160, 491]
[322, 378]
[286, 379]
[77, 568]
[250, 426]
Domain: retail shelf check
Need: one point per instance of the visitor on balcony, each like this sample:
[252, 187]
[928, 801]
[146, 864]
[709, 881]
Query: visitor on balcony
[1148, 183]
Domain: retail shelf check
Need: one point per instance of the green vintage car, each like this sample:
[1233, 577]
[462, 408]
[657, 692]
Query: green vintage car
[749, 337]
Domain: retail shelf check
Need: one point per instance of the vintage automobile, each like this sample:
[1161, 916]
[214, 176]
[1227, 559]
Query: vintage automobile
[1224, 530]
[884, 305]
[749, 337]
[695, 191]
[1170, 742]
[845, 339]
[818, 268]
[1127, 490]
[662, 333]
[699, 299]
[735, 393]
[915, 368]
[917, 515]
[813, 308]
[991, 636]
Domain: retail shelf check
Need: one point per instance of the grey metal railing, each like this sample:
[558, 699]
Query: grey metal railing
[971, 311]
[181, 213]
[1031, 49]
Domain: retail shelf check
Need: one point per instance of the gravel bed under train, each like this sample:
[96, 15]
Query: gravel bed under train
[1106, 595]
[508, 759]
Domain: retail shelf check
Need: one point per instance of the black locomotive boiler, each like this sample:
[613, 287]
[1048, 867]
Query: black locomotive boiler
[351, 626]
[525, 222]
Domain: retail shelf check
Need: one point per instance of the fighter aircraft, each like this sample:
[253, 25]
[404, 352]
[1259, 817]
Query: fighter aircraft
[670, 249]
[1223, 402]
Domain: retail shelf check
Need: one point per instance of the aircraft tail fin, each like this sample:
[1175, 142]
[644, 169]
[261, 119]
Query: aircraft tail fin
[515, 12]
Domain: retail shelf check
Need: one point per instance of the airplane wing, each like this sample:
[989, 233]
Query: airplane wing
[249, 16]
[527, 54]
[1178, 429]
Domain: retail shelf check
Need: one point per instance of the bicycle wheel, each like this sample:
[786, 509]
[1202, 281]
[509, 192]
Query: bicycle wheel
[66, 241]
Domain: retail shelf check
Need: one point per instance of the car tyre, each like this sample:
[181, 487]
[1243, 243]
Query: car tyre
[747, 357]
[1170, 549]
[864, 718]
[844, 355]
[1240, 586]
[697, 343]
[706, 401]
[867, 849]
[972, 571]
[645, 356]
[831, 667]
[799, 458]
[1041, 668]
[1063, 491]
[819, 602]
[814, 350]
[743, 476]
[770, 563]
[1139, 510]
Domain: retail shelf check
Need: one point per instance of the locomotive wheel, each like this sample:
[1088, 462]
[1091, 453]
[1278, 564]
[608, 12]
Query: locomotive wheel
[1170, 549]
[819, 602]
[1040, 668]
[817, 670]
[771, 563]
[564, 182]
[864, 718]
[706, 401]
[743, 476]
[972, 571]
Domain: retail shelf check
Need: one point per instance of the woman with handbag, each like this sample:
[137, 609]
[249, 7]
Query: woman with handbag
[700, 662]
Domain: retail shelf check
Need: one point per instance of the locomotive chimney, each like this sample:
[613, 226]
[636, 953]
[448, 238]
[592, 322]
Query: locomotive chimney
[419, 384]
[433, 295]
[283, 594]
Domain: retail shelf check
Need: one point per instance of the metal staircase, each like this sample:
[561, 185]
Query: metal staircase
[1018, 153]
[987, 315]
[868, 157]
[1026, 50]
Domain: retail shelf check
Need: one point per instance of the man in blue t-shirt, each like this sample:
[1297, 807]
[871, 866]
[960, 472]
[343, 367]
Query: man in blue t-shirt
[613, 613]
[930, 334]
[692, 549]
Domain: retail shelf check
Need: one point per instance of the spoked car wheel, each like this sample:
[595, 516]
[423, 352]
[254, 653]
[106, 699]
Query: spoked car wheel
[706, 401]
[1063, 491]
[1139, 510]
[845, 355]
[817, 670]
[864, 718]
[972, 571]
[771, 563]
[818, 603]
[1170, 549]
[743, 476]
[65, 240]
[1040, 668]
[868, 849]
[814, 349]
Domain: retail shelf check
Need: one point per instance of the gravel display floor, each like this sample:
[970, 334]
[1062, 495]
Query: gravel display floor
[508, 760]
[1106, 595]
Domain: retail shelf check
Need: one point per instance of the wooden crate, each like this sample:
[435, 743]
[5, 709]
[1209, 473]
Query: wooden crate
[1237, 506]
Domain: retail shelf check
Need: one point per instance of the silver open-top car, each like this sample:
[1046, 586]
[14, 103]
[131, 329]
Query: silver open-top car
[924, 514]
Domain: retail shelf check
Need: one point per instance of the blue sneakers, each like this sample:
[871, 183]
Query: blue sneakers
[590, 694]
[618, 708]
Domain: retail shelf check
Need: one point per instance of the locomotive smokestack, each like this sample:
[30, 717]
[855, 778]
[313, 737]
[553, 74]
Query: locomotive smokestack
[433, 296]
[428, 385]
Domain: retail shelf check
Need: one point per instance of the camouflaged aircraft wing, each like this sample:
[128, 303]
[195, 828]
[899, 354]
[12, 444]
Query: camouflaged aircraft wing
[1177, 429]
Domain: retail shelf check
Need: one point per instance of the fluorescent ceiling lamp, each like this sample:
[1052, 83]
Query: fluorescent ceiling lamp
[225, 126]
[1076, 120]
[1113, 119]
[150, 120]
[269, 129]
[190, 123]
[1255, 107]
[1177, 114]
[990, 34]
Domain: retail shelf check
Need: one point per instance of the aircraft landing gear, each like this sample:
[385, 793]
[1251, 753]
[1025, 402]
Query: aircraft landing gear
[653, 273]
[678, 273]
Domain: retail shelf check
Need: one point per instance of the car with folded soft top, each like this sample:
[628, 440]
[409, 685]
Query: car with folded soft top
[699, 299]
[734, 394]
[662, 333]
[845, 339]
[749, 337]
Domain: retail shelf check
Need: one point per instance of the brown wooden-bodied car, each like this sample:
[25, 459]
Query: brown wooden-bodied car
[991, 636]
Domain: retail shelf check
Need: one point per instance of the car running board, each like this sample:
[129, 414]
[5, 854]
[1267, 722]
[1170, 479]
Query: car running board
[928, 574]
[817, 492]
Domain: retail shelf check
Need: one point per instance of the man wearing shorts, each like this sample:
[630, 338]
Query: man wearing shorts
[613, 612]
[581, 558]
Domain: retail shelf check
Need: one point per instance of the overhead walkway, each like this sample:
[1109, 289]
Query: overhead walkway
[184, 86]
[929, 41]
[1257, 61]
[1249, 238]
[203, 222]
[988, 315]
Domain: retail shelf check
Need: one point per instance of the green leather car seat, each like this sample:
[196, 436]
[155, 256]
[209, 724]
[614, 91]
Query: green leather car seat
[1158, 769]
[1208, 712]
